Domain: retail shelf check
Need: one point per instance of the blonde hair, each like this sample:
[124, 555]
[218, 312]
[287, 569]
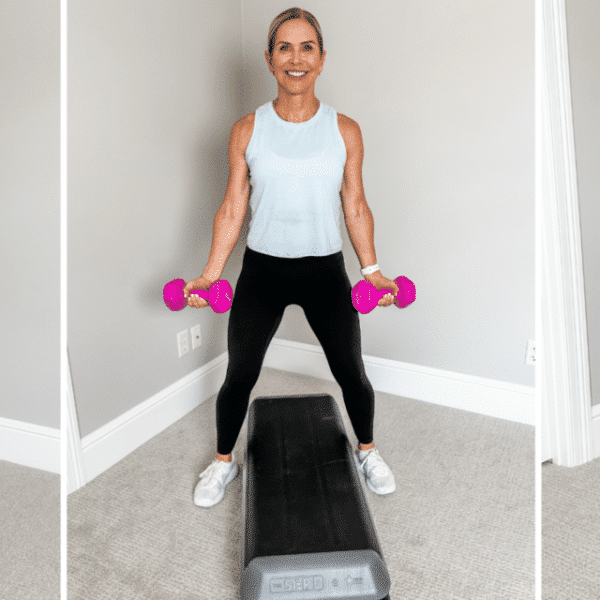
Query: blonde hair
[293, 13]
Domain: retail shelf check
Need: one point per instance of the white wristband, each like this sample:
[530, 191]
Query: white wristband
[369, 270]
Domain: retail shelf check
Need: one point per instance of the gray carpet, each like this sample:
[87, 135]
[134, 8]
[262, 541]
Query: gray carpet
[571, 532]
[29, 533]
[460, 525]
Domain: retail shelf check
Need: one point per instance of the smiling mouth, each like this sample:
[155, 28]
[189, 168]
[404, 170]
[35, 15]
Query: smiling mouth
[296, 74]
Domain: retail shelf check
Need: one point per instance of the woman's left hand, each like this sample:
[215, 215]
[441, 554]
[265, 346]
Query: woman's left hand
[383, 283]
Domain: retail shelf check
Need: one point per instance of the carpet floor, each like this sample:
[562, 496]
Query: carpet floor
[460, 525]
[571, 532]
[29, 533]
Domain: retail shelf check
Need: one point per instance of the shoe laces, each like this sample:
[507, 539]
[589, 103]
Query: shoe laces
[213, 471]
[373, 463]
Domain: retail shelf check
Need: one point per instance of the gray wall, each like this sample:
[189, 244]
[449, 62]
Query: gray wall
[29, 211]
[444, 98]
[154, 88]
[583, 19]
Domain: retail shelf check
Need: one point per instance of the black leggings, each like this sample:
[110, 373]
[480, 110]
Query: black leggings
[267, 284]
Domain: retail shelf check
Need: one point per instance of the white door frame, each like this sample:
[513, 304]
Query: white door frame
[565, 378]
[76, 476]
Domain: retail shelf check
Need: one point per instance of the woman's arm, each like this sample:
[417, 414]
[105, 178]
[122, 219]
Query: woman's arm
[357, 214]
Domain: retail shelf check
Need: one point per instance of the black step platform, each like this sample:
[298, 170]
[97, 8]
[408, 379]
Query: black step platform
[308, 530]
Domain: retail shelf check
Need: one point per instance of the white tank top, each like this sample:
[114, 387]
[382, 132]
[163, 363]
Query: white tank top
[296, 172]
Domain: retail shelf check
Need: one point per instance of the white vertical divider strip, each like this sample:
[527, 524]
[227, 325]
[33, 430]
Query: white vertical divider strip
[565, 377]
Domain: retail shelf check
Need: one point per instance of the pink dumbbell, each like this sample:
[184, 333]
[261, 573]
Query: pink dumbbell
[219, 295]
[365, 296]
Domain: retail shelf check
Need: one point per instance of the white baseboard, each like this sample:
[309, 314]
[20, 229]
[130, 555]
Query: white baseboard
[507, 401]
[30, 445]
[115, 440]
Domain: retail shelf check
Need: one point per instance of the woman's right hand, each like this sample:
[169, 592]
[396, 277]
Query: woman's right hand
[202, 283]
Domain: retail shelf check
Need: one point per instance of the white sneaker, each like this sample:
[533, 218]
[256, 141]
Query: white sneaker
[213, 480]
[378, 475]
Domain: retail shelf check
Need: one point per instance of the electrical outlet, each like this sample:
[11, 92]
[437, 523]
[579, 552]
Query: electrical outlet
[183, 343]
[530, 356]
[196, 337]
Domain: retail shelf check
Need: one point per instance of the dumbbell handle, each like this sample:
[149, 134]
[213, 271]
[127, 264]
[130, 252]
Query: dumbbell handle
[202, 293]
[220, 302]
[219, 295]
[365, 296]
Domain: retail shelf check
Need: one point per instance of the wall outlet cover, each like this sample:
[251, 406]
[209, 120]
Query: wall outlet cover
[530, 356]
[196, 337]
[183, 343]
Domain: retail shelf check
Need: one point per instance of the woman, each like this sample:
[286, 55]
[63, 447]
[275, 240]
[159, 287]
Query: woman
[300, 157]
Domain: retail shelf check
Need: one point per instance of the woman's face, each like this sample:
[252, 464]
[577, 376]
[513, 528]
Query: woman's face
[296, 49]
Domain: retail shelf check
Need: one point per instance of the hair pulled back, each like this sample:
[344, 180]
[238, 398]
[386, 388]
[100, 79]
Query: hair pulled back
[293, 13]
